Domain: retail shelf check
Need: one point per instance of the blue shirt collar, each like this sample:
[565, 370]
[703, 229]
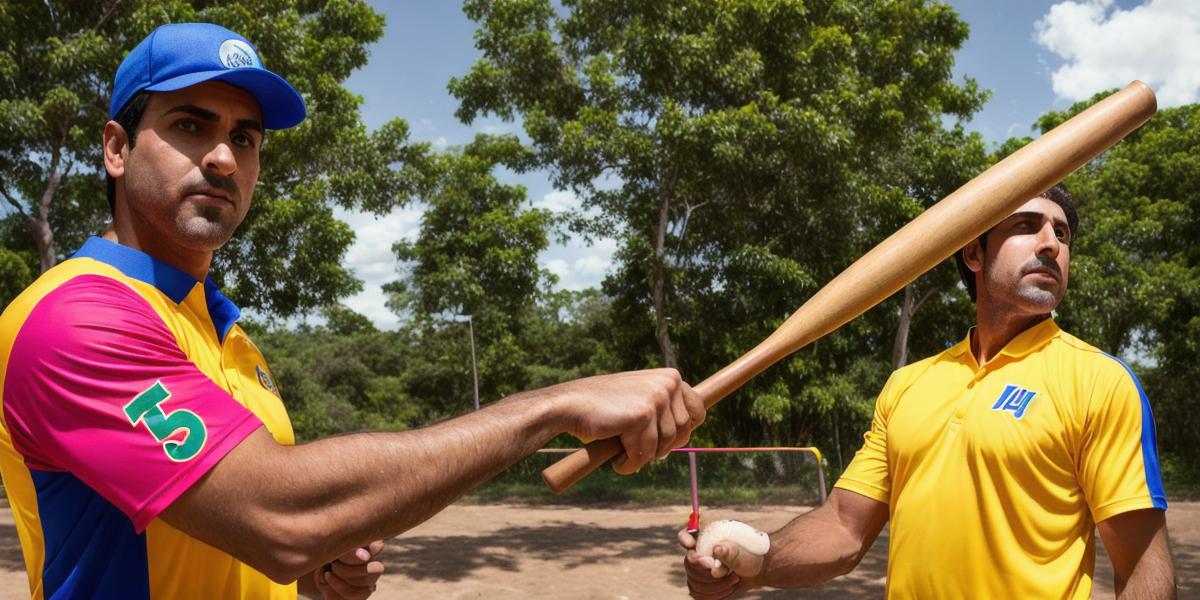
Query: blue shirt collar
[172, 282]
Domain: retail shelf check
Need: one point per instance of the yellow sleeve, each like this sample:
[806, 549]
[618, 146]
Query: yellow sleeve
[868, 473]
[1118, 457]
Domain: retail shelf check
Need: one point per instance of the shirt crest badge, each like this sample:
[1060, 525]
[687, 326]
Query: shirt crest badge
[265, 380]
[1014, 399]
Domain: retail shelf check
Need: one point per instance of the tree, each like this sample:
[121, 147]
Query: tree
[58, 61]
[476, 254]
[743, 153]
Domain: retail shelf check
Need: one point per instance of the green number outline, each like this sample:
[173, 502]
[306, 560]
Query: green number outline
[144, 408]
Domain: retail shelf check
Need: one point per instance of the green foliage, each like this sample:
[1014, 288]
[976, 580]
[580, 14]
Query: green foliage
[58, 61]
[342, 377]
[743, 153]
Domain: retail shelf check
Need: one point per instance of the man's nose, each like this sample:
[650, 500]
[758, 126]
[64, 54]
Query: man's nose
[220, 160]
[1047, 241]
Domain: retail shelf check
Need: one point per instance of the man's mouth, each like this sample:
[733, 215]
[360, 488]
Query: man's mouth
[211, 195]
[1051, 273]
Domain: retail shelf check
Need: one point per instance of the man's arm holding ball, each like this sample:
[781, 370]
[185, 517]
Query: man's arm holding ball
[287, 510]
[812, 549]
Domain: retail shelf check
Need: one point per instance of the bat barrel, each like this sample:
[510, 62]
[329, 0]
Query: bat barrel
[927, 240]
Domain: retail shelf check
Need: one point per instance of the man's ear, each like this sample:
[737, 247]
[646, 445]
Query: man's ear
[972, 255]
[116, 147]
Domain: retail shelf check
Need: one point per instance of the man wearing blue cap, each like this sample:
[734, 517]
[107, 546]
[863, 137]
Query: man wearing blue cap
[144, 447]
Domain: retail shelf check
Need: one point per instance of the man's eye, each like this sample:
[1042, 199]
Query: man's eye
[243, 140]
[188, 125]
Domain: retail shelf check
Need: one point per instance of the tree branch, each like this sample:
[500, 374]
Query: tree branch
[112, 8]
[12, 201]
[928, 295]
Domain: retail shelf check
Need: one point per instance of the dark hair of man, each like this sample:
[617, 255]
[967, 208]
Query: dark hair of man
[129, 117]
[1058, 195]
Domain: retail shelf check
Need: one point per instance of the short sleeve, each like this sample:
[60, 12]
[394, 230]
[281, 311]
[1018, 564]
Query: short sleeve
[868, 472]
[97, 385]
[1118, 458]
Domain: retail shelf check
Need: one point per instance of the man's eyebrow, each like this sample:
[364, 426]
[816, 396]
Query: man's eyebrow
[195, 111]
[250, 124]
[1036, 216]
[212, 117]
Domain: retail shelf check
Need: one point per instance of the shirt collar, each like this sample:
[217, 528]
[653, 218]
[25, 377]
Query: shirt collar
[1026, 342]
[172, 282]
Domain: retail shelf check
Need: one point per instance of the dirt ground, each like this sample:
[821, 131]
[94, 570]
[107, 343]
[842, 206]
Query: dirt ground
[504, 551]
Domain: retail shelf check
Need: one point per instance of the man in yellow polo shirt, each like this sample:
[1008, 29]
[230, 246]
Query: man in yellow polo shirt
[994, 461]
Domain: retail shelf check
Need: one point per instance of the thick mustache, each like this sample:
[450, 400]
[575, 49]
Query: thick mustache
[1041, 262]
[213, 180]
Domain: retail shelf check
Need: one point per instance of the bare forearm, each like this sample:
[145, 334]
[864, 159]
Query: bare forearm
[299, 507]
[1153, 575]
[809, 551]
[377, 485]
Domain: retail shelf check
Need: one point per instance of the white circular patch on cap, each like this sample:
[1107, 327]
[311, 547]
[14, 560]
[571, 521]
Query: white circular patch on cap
[236, 54]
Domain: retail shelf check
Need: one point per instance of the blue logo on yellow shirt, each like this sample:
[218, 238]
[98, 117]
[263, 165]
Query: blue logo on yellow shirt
[1014, 399]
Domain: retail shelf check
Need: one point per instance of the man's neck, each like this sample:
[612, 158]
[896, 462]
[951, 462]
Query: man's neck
[192, 262]
[994, 330]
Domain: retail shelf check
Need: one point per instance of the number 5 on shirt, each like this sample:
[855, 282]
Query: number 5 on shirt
[164, 426]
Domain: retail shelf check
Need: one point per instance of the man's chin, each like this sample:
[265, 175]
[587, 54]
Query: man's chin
[1039, 300]
[199, 233]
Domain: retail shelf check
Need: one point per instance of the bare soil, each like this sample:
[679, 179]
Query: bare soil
[507, 551]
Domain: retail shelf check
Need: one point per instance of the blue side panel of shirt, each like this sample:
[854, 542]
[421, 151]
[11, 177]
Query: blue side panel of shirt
[91, 548]
[1149, 444]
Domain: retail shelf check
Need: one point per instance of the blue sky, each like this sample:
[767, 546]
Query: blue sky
[1033, 56]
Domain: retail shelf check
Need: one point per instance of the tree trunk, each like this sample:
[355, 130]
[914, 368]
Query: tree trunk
[39, 223]
[900, 347]
[658, 285]
[908, 308]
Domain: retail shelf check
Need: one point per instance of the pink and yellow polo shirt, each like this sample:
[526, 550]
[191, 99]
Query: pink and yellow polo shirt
[124, 381]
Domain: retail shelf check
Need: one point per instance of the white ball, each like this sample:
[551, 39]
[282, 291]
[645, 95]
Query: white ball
[749, 538]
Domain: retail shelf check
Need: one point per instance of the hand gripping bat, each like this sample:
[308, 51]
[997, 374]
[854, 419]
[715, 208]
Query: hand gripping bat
[932, 237]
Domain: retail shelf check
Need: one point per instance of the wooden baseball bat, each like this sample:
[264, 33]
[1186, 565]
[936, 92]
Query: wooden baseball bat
[932, 237]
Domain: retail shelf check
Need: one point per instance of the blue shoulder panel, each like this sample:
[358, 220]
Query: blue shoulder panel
[1149, 443]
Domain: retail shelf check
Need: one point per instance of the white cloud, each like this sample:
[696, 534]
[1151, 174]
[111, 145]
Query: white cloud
[557, 201]
[591, 265]
[558, 266]
[371, 258]
[578, 265]
[441, 143]
[1105, 47]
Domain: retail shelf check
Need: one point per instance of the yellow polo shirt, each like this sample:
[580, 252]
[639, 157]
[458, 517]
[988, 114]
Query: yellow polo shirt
[996, 475]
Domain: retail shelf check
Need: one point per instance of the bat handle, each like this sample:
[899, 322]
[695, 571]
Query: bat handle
[576, 465]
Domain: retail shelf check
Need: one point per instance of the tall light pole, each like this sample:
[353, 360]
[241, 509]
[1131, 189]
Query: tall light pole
[474, 369]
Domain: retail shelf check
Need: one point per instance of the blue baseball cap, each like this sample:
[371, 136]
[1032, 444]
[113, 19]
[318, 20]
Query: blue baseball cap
[180, 55]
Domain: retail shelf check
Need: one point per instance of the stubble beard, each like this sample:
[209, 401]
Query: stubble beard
[206, 227]
[1028, 296]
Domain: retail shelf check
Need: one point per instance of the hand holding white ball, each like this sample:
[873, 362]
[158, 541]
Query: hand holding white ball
[750, 539]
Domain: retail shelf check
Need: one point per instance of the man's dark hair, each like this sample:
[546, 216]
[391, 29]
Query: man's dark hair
[128, 118]
[1058, 195]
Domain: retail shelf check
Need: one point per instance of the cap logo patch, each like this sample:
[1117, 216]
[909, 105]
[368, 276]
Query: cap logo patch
[236, 54]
